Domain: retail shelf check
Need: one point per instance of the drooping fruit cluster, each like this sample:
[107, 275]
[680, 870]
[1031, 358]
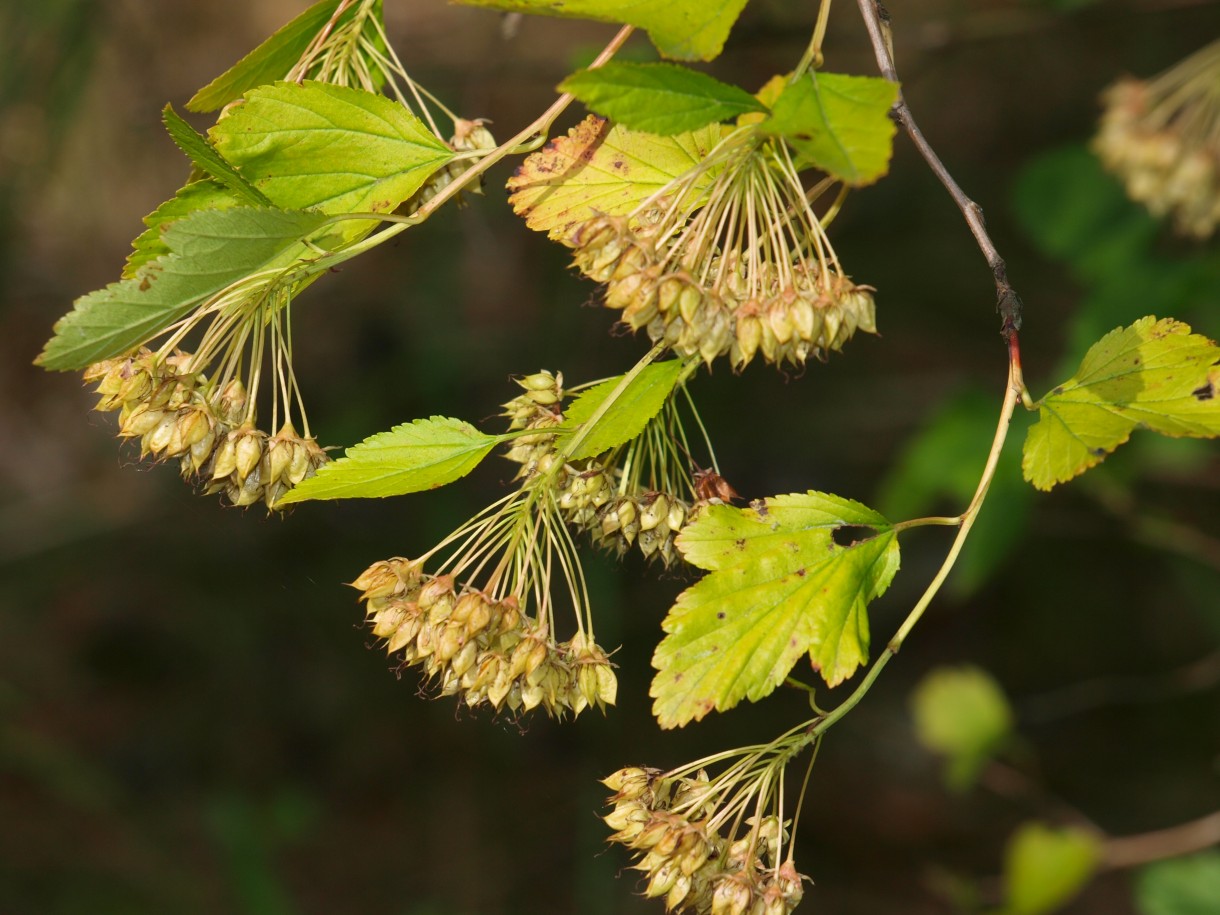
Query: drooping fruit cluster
[480, 647]
[176, 413]
[468, 136]
[670, 825]
[591, 494]
[740, 267]
[1162, 138]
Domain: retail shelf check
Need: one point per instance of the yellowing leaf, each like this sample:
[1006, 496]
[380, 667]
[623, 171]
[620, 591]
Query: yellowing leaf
[600, 169]
[1154, 375]
[425, 454]
[319, 146]
[682, 29]
[779, 586]
[838, 123]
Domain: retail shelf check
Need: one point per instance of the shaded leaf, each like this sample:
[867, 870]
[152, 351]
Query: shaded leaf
[1153, 374]
[208, 160]
[961, 713]
[269, 62]
[1045, 867]
[599, 169]
[412, 457]
[681, 29]
[658, 98]
[196, 196]
[1180, 886]
[779, 586]
[601, 426]
[209, 250]
[337, 149]
[838, 123]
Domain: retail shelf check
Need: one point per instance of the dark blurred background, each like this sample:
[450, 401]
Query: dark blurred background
[191, 715]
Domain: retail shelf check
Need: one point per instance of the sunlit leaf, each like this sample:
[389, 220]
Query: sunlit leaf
[601, 425]
[780, 586]
[838, 123]
[209, 250]
[205, 158]
[658, 98]
[328, 147]
[961, 713]
[1045, 867]
[269, 62]
[412, 457]
[600, 169]
[1153, 374]
[1180, 886]
[681, 29]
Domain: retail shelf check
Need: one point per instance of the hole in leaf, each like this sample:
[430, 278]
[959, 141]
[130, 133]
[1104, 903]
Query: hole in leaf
[851, 534]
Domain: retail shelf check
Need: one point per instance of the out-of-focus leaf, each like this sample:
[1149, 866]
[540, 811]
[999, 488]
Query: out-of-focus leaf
[599, 169]
[681, 29]
[779, 586]
[625, 418]
[658, 98]
[839, 123]
[1153, 374]
[961, 713]
[1045, 867]
[425, 454]
[1180, 886]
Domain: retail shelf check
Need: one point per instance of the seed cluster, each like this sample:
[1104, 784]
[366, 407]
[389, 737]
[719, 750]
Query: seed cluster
[175, 413]
[743, 312]
[669, 824]
[468, 136]
[481, 647]
[1162, 138]
[587, 491]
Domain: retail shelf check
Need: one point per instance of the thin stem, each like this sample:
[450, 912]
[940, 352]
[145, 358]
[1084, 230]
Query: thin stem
[813, 54]
[1008, 303]
[1164, 843]
[1011, 396]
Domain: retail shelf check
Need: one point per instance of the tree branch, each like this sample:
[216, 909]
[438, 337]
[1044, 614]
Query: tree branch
[1008, 303]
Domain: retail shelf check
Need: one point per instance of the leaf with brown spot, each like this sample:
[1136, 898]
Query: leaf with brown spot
[601, 169]
[790, 590]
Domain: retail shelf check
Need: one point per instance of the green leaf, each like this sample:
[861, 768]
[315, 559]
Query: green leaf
[1046, 867]
[681, 29]
[269, 62]
[779, 586]
[962, 713]
[658, 98]
[600, 427]
[1153, 374]
[412, 457]
[598, 169]
[1180, 886]
[210, 250]
[336, 149]
[840, 124]
[196, 196]
[207, 159]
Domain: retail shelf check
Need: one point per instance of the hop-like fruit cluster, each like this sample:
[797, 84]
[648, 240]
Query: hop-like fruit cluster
[750, 272]
[484, 649]
[175, 413]
[539, 408]
[669, 824]
[1162, 138]
[650, 520]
